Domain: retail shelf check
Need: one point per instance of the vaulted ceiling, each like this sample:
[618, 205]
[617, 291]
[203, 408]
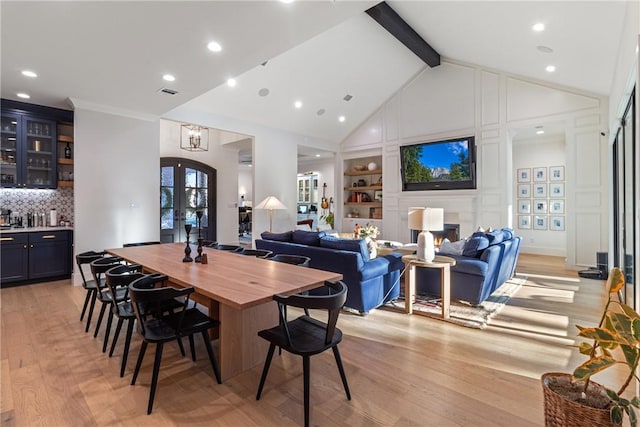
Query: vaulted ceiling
[113, 54]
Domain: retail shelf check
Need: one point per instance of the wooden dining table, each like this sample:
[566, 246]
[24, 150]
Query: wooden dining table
[237, 290]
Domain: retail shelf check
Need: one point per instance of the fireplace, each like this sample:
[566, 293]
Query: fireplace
[451, 232]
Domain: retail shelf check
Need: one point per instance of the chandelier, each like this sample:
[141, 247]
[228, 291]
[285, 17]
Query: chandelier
[194, 137]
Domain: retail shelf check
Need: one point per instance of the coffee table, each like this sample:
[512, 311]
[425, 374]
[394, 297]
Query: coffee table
[443, 263]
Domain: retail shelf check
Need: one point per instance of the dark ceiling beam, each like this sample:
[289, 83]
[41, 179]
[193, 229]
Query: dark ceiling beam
[392, 22]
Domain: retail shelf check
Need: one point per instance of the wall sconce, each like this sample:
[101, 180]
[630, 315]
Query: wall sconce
[194, 138]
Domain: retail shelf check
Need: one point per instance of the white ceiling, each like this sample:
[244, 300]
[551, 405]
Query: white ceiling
[114, 53]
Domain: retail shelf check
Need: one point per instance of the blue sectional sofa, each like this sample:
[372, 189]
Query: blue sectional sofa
[370, 282]
[486, 262]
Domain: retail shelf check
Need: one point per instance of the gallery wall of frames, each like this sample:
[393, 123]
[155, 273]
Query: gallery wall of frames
[541, 200]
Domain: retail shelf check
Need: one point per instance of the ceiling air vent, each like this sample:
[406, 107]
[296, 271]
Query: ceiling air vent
[347, 97]
[168, 91]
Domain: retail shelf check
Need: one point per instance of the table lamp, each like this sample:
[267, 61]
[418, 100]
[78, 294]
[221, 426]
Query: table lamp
[426, 220]
[271, 203]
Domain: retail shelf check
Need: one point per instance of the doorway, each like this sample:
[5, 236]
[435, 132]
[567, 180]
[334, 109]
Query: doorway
[187, 187]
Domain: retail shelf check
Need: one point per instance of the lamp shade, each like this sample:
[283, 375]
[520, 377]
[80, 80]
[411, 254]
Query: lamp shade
[431, 219]
[271, 203]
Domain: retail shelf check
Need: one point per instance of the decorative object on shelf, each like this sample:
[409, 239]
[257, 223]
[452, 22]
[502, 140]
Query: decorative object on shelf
[362, 183]
[377, 195]
[575, 399]
[271, 203]
[359, 168]
[194, 137]
[198, 257]
[426, 220]
[67, 151]
[372, 166]
[187, 249]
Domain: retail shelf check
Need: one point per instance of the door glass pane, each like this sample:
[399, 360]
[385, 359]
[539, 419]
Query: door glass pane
[8, 151]
[201, 197]
[202, 180]
[39, 153]
[167, 203]
[190, 178]
[629, 205]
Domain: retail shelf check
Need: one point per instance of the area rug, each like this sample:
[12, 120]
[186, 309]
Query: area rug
[465, 314]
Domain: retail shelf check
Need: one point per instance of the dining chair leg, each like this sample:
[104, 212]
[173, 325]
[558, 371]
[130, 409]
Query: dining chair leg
[143, 348]
[179, 339]
[154, 378]
[116, 334]
[86, 303]
[336, 354]
[94, 297]
[102, 310]
[265, 370]
[193, 348]
[306, 370]
[127, 343]
[212, 356]
[107, 331]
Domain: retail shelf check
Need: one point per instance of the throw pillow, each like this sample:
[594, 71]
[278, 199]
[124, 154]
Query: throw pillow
[309, 238]
[474, 246]
[279, 237]
[452, 248]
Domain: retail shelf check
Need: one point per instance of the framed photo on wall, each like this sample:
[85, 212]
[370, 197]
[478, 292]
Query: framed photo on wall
[524, 175]
[540, 222]
[524, 206]
[540, 190]
[556, 206]
[539, 206]
[540, 174]
[556, 189]
[556, 173]
[524, 221]
[556, 223]
[524, 190]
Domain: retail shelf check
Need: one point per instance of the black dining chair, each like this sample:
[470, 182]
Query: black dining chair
[258, 253]
[306, 336]
[89, 285]
[299, 260]
[118, 278]
[230, 248]
[157, 328]
[98, 269]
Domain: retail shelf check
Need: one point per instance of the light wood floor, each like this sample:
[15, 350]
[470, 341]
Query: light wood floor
[403, 370]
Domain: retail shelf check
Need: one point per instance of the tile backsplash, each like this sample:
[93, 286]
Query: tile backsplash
[21, 201]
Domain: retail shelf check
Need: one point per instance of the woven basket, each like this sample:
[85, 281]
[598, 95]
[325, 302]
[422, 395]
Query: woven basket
[562, 412]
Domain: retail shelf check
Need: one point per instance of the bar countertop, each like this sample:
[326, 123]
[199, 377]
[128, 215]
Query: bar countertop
[33, 229]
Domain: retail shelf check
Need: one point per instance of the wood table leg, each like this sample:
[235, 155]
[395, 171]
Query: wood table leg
[409, 289]
[445, 290]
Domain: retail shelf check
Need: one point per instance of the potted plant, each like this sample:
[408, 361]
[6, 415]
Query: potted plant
[576, 400]
[328, 218]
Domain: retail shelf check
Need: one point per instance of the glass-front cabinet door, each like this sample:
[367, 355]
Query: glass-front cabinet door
[39, 153]
[9, 156]
[27, 152]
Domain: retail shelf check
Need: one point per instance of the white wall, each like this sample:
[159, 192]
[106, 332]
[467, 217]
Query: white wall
[457, 99]
[117, 183]
[535, 153]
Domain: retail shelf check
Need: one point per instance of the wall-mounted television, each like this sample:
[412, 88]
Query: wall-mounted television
[439, 165]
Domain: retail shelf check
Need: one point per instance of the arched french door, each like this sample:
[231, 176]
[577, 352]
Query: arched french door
[186, 186]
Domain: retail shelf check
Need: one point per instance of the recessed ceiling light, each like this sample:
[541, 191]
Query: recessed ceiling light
[317, 155]
[544, 49]
[23, 95]
[320, 111]
[232, 82]
[169, 78]
[263, 92]
[550, 68]
[342, 119]
[538, 26]
[286, 1]
[214, 46]
[298, 104]
[29, 73]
